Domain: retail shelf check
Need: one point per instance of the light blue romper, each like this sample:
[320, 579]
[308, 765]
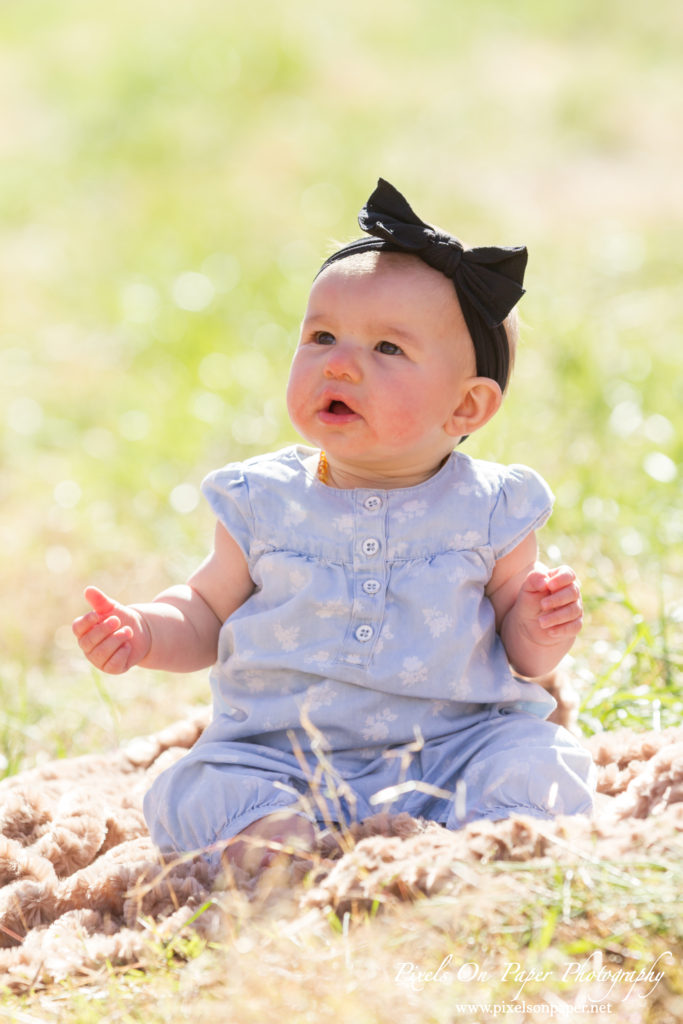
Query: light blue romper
[367, 659]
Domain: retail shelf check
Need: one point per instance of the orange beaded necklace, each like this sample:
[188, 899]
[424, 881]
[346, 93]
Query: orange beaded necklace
[323, 469]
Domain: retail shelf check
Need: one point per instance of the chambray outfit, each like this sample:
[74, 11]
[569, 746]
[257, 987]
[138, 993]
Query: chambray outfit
[367, 658]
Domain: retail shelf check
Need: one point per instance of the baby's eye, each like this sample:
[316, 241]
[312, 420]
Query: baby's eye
[387, 348]
[324, 338]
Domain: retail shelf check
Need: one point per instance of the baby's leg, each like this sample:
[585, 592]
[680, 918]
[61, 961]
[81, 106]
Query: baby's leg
[230, 800]
[502, 762]
[527, 765]
[278, 838]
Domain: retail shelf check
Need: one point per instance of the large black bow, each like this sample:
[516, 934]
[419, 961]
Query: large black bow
[487, 279]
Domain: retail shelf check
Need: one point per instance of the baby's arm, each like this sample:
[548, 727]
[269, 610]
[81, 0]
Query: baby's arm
[178, 630]
[538, 611]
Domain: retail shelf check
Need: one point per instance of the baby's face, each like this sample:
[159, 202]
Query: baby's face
[383, 360]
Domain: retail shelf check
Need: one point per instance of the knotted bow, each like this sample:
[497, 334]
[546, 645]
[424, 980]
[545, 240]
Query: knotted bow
[487, 278]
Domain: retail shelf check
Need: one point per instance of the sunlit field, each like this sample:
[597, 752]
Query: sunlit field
[171, 177]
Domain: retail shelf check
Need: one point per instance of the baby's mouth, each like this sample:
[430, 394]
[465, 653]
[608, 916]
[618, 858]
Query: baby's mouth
[338, 408]
[337, 412]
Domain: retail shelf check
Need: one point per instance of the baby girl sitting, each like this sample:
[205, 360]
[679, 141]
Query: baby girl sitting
[373, 606]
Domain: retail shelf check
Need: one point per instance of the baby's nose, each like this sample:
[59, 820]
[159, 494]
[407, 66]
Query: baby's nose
[343, 362]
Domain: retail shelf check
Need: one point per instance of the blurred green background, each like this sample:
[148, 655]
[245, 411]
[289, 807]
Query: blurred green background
[171, 177]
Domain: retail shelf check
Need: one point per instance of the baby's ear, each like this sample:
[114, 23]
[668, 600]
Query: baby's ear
[480, 402]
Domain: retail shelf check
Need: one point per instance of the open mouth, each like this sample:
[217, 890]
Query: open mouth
[337, 413]
[338, 408]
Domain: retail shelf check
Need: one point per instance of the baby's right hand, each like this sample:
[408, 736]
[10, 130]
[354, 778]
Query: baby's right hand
[113, 636]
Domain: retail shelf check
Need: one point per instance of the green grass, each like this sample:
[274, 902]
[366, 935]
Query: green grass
[148, 142]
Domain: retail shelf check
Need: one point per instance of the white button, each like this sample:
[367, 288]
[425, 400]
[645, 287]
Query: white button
[364, 633]
[372, 503]
[372, 586]
[370, 546]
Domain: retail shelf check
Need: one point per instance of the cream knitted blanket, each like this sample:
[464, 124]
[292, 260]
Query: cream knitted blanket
[81, 883]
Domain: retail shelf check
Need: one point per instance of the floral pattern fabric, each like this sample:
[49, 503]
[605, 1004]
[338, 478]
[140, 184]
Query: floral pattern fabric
[368, 633]
[370, 611]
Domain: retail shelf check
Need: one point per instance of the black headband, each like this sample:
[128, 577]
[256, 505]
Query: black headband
[487, 280]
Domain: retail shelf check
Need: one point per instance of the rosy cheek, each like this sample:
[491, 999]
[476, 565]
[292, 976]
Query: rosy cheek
[401, 412]
[402, 425]
[294, 396]
[300, 390]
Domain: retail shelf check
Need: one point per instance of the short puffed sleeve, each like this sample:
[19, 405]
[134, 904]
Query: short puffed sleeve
[524, 504]
[227, 492]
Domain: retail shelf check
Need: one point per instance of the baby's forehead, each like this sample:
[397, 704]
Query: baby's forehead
[390, 286]
[402, 269]
[402, 282]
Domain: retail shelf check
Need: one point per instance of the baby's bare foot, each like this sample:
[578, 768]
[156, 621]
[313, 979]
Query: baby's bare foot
[282, 839]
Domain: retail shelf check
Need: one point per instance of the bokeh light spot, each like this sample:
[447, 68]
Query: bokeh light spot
[25, 416]
[67, 494]
[58, 559]
[193, 292]
[660, 467]
[184, 498]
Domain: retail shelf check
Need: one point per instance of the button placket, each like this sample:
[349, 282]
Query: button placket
[369, 576]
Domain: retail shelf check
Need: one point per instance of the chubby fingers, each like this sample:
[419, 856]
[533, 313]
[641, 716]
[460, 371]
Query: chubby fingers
[105, 642]
[536, 581]
[561, 577]
[562, 608]
[102, 607]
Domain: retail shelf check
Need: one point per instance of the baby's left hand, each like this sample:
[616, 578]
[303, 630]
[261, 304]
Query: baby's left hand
[549, 606]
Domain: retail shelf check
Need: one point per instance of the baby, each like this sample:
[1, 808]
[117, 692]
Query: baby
[373, 605]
